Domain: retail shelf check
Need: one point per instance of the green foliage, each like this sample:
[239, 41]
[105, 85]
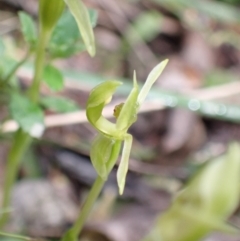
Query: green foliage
[204, 204]
[110, 133]
[81, 15]
[53, 78]
[28, 29]
[59, 104]
[24, 108]
[65, 40]
[27, 114]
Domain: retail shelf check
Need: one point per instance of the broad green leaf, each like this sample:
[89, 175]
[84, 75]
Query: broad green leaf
[64, 38]
[27, 114]
[123, 166]
[59, 104]
[53, 78]
[28, 29]
[80, 13]
[100, 154]
[128, 113]
[67, 41]
[152, 77]
[63, 34]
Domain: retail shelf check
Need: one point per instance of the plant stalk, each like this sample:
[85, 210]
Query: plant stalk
[39, 65]
[19, 146]
[73, 233]
[22, 139]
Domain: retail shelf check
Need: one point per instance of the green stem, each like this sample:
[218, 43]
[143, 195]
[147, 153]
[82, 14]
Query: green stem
[22, 139]
[39, 65]
[72, 234]
[20, 144]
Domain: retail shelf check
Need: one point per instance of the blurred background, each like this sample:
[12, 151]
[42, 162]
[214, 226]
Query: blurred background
[190, 117]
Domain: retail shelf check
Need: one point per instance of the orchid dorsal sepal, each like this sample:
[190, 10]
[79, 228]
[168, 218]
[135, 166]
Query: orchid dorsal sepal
[111, 133]
[98, 98]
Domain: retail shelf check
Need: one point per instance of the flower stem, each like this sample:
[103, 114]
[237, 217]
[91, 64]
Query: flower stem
[19, 146]
[72, 233]
[22, 139]
[39, 65]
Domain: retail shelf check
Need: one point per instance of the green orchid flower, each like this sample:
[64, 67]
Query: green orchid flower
[110, 134]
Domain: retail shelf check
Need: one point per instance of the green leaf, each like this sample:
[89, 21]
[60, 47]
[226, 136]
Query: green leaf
[67, 41]
[27, 114]
[59, 104]
[28, 29]
[53, 78]
[100, 154]
[80, 13]
[62, 43]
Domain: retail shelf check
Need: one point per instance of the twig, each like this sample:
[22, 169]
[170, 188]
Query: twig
[79, 116]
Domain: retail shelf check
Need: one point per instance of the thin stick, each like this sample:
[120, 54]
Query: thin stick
[79, 117]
